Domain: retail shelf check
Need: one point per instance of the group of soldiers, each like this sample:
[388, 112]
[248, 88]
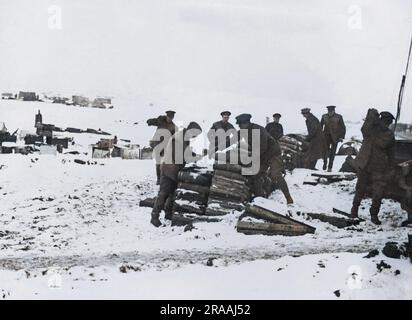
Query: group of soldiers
[323, 137]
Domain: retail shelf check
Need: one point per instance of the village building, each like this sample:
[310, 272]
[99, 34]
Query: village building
[27, 96]
[7, 96]
[80, 101]
[103, 103]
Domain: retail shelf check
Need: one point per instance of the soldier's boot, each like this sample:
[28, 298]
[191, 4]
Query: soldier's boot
[289, 199]
[283, 186]
[325, 165]
[374, 210]
[158, 206]
[354, 211]
[375, 219]
[155, 220]
[329, 169]
[374, 215]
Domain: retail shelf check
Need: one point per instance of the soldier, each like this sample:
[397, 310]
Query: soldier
[334, 131]
[172, 162]
[315, 138]
[38, 119]
[274, 128]
[227, 127]
[270, 154]
[374, 161]
[162, 123]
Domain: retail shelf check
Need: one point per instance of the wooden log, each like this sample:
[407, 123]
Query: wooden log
[252, 228]
[183, 220]
[194, 178]
[290, 140]
[340, 176]
[217, 211]
[286, 149]
[191, 196]
[294, 146]
[335, 221]
[193, 187]
[215, 203]
[230, 187]
[274, 217]
[228, 194]
[148, 202]
[228, 167]
[189, 208]
[230, 175]
[234, 182]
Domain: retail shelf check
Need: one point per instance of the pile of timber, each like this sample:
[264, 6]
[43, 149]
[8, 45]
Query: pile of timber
[180, 218]
[192, 190]
[268, 222]
[328, 178]
[229, 190]
[293, 148]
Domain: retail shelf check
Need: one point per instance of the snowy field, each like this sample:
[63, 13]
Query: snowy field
[77, 231]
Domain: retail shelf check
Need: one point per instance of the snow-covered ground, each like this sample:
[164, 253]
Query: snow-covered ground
[76, 231]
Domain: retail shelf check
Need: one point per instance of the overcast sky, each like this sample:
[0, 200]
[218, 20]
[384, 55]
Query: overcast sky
[264, 55]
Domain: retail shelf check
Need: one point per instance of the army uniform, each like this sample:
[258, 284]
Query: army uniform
[374, 161]
[172, 162]
[226, 126]
[275, 129]
[316, 139]
[270, 157]
[161, 123]
[334, 131]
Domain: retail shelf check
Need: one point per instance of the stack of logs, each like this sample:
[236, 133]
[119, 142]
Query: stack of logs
[228, 191]
[192, 190]
[293, 148]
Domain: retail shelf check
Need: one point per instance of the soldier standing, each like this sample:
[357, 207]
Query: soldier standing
[38, 120]
[172, 162]
[270, 154]
[334, 131]
[274, 128]
[162, 123]
[316, 139]
[374, 161]
[225, 127]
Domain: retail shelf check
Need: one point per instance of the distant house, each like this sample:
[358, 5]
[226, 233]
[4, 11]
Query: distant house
[7, 96]
[102, 103]
[61, 100]
[80, 101]
[27, 96]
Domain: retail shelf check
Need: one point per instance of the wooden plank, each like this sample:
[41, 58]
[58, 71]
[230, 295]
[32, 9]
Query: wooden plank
[335, 221]
[271, 228]
[339, 176]
[274, 217]
[225, 204]
[217, 211]
[193, 187]
[187, 208]
[183, 220]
